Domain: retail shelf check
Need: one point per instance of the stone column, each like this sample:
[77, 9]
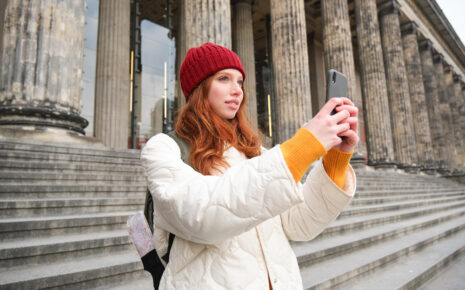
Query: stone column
[317, 73]
[112, 74]
[202, 21]
[444, 112]
[462, 117]
[41, 64]
[432, 103]
[339, 55]
[460, 121]
[374, 90]
[244, 47]
[2, 23]
[290, 66]
[450, 109]
[417, 96]
[396, 77]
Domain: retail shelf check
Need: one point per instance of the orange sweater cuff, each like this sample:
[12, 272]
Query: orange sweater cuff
[300, 151]
[335, 163]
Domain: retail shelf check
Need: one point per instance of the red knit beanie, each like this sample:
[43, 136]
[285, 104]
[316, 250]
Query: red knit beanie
[204, 61]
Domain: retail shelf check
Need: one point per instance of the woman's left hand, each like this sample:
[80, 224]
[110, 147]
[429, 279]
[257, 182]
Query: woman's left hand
[350, 136]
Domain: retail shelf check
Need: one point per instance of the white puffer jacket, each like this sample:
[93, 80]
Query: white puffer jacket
[233, 230]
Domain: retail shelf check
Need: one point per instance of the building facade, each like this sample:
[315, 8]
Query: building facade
[107, 70]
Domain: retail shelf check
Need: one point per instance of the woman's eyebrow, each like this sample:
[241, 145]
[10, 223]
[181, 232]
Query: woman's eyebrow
[231, 75]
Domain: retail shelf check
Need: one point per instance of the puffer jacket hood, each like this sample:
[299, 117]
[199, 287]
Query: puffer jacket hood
[233, 228]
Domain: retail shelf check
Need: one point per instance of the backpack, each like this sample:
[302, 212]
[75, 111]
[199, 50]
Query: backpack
[151, 260]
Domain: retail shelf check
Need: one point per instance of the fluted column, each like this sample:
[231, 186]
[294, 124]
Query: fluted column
[202, 21]
[452, 115]
[459, 126]
[374, 90]
[339, 55]
[290, 65]
[444, 112]
[112, 74]
[462, 116]
[41, 64]
[244, 47]
[432, 103]
[396, 77]
[417, 95]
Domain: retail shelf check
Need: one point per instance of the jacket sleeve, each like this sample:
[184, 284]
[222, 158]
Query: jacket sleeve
[210, 209]
[324, 200]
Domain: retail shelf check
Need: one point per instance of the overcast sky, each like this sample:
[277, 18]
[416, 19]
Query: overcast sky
[454, 11]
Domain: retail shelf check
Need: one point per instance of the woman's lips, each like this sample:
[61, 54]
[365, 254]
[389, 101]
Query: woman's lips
[233, 105]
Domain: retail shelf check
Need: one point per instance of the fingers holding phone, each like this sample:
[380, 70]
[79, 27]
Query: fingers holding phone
[336, 87]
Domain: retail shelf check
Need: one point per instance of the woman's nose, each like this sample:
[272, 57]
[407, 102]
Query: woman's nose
[237, 89]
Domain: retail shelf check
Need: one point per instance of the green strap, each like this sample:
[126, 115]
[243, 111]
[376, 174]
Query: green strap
[185, 152]
[184, 146]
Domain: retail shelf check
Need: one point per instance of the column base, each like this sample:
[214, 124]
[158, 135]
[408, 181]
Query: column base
[55, 135]
[358, 161]
[458, 176]
[430, 170]
[409, 168]
[42, 117]
[382, 164]
[444, 171]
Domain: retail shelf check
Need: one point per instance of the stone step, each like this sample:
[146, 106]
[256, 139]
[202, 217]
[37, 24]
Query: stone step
[67, 167]
[333, 272]
[449, 278]
[392, 186]
[65, 148]
[144, 282]
[381, 180]
[397, 176]
[61, 248]
[412, 179]
[340, 226]
[53, 177]
[32, 191]
[413, 192]
[23, 228]
[322, 249]
[66, 157]
[80, 273]
[68, 206]
[28, 188]
[412, 270]
[361, 200]
[351, 211]
[398, 173]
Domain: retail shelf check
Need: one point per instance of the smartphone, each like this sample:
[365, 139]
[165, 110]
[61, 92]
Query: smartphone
[336, 85]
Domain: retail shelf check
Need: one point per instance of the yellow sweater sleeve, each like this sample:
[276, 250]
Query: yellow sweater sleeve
[300, 151]
[335, 164]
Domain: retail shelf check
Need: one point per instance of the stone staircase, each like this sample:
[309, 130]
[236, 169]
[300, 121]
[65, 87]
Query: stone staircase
[63, 212]
[398, 232]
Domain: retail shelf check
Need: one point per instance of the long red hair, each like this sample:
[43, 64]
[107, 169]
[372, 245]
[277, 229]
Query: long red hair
[208, 133]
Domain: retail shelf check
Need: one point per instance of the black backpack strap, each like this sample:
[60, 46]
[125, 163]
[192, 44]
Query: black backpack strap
[166, 257]
[148, 209]
[154, 266]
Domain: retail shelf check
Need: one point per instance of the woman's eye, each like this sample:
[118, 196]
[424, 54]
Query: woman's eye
[241, 83]
[223, 78]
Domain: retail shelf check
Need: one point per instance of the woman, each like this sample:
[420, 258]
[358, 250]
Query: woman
[234, 211]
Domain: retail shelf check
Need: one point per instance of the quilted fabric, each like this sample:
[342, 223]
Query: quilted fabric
[233, 228]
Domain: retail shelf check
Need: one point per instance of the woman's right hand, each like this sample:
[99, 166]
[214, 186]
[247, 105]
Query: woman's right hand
[325, 127]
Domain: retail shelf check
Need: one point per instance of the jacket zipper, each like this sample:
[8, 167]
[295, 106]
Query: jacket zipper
[264, 258]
